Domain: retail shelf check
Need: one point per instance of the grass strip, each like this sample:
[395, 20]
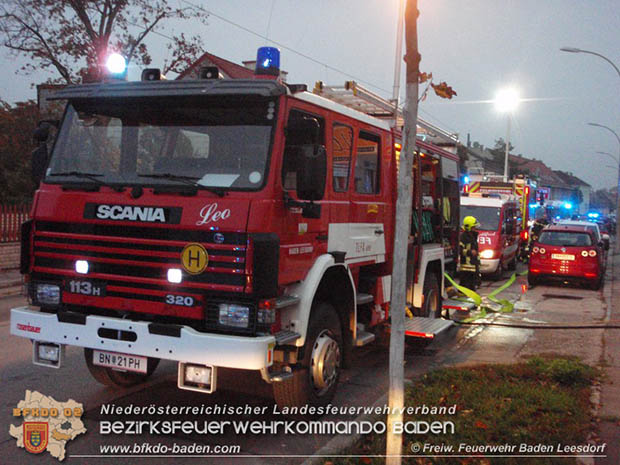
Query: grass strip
[540, 401]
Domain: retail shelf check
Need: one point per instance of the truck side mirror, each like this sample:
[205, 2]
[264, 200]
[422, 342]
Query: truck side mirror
[41, 133]
[311, 172]
[39, 155]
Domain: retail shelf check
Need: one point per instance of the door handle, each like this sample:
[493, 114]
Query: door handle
[378, 232]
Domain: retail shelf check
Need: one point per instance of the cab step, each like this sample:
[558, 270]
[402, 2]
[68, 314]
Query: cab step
[458, 305]
[363, 338]
[285, 337]
[363, 299]
[427, 328]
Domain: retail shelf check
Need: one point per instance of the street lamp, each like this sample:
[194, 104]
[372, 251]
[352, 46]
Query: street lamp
[578, 50]
[614, 167]
[506, 101]
[617, 247]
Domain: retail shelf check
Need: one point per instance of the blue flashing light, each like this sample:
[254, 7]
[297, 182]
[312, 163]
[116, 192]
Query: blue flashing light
[593, 215]
[268, 61]
[534, 205]
[568, 205]
[465, 179]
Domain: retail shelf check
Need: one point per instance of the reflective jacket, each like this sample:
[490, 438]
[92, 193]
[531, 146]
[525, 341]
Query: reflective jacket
[468, 242]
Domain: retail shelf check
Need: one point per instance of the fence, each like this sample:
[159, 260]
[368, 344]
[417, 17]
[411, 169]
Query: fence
[11, 219]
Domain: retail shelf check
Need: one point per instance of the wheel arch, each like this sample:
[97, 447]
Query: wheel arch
[431, 260]
[326, 281]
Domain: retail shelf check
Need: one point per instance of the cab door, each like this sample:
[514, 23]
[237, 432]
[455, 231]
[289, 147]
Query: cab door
[363, 238]
[303, 237]
[510, 234]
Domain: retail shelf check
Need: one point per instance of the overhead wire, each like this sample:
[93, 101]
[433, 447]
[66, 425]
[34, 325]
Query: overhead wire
[291, 49]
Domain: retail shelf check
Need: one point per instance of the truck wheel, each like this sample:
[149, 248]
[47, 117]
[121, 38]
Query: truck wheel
[315, 381]
[513, 263]
[431, 306]
[110, 377]
[532, 280]
[499, 272]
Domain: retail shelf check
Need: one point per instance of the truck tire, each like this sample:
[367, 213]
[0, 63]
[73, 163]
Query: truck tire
[432, 303]
[499, 272]
[314, 381]
[110, 377]
[513, 263]
[533, 280]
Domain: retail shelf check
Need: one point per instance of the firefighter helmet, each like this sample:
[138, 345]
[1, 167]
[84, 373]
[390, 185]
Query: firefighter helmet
[469, 223]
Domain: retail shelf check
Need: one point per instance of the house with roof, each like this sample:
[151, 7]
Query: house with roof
[582, 190]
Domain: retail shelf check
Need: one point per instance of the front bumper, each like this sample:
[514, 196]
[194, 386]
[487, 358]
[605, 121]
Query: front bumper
[489, 265]
[186, 345]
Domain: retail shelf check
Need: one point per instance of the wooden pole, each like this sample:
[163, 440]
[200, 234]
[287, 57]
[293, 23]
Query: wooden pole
[396, 394]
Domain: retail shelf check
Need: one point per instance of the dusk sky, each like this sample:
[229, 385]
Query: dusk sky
[477, 46]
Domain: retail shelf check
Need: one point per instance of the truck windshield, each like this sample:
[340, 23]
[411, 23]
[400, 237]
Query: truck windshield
[488, 217]
[222, 144]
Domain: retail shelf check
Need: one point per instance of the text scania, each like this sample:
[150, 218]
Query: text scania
[270, 427]
[131, 213]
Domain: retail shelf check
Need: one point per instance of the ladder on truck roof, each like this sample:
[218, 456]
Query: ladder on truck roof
[356, 97]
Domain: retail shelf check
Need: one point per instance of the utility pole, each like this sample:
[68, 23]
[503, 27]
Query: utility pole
[396, 394]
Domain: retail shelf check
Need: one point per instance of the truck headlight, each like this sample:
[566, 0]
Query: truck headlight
[48, 294]
[488, 253]
[198, 374]
[237, 316]
[49, 352]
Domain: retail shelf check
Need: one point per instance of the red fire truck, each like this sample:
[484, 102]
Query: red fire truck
[520, 186]
[228, 223]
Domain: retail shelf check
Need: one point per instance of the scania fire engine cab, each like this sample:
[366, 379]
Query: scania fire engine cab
[218, 223]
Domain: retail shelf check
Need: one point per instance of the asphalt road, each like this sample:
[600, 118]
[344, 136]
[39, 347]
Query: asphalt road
[361, 385]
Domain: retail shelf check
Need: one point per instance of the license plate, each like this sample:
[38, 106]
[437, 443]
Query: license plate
[562, 256]
[118, 361]
[79, 286]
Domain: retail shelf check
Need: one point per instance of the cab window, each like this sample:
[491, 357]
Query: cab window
[367, 163]
[296, 138]
[342, 150]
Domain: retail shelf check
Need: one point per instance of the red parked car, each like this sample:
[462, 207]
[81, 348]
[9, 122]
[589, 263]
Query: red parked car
[567, 253]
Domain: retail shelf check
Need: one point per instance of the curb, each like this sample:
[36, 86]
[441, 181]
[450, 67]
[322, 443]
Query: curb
[596, 389]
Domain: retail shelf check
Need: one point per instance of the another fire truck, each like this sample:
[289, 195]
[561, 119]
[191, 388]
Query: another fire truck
[240, 224]
[520, 186]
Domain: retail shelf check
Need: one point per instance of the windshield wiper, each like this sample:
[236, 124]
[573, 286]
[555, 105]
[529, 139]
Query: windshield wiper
[190, 180]
[90, 176]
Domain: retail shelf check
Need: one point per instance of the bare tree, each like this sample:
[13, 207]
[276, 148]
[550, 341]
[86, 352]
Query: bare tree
[74, 37]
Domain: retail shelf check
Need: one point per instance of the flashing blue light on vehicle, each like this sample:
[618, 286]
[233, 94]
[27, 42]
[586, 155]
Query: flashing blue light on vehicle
[534, 205]
[268, 61]
[593, 215]
[116, 64]
[568, 205]
[465, 179]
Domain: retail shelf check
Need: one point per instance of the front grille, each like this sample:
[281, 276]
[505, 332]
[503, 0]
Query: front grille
[133, 262]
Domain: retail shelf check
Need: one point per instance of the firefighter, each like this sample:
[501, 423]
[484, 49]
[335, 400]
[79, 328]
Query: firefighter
[537, 228]
[468, 253]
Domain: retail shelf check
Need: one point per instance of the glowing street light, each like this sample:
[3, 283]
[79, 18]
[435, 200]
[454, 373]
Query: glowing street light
[507, 101]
